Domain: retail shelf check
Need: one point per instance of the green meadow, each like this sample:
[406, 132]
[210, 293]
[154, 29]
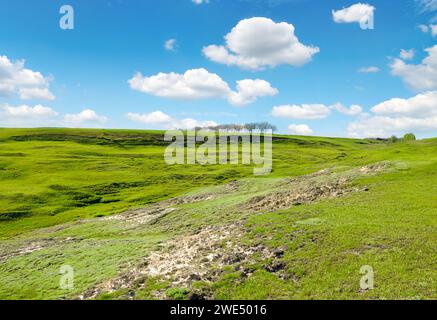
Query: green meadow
[62, 191]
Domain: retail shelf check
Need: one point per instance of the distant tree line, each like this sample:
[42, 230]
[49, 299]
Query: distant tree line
[254, 126]
[407, 137]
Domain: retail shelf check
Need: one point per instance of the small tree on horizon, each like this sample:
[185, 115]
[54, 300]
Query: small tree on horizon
[409, 137]
[250, 126]
[393, 139]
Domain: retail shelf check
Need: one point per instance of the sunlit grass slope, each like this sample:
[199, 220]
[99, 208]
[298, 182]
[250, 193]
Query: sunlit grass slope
[54, 183]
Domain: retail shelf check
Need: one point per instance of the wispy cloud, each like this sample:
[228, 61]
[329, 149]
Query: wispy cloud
[200, 1]
[427, 5]
[170, 45]
[407, 54]
[370, 69]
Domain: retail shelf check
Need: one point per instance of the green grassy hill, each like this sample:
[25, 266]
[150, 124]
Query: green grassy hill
[105, 203]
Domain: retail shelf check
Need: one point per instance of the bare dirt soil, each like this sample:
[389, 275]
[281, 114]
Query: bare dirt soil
[203, 256]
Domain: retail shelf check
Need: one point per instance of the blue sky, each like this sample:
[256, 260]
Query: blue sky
[88, 68]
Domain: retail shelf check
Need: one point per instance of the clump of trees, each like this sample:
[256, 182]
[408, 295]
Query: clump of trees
[261, 126]
[393, 139]
[410, 137]
[254, 126]
[407, 137]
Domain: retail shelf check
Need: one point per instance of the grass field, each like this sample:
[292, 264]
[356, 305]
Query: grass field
[105, 203]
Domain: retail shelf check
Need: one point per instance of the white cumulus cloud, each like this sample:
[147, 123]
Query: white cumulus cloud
[201, 84]
[15, 79]
[39, 115]
[300, 129]
[156, 117]
[25, 111]
[86, 116]
[26, 116]
[258, 42]
[193, 84]
[304, 111]
[420, 77]
[359, 13]
[353, 110]
[398, 116]
[422, 105]
[384, 127]
[200, 1]
[249, 90]
[36, 93]
[162, 120]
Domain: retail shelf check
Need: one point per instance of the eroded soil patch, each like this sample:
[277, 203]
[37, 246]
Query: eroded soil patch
[202, 257]
[34, 246]
[188, 259]
[310, 188]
